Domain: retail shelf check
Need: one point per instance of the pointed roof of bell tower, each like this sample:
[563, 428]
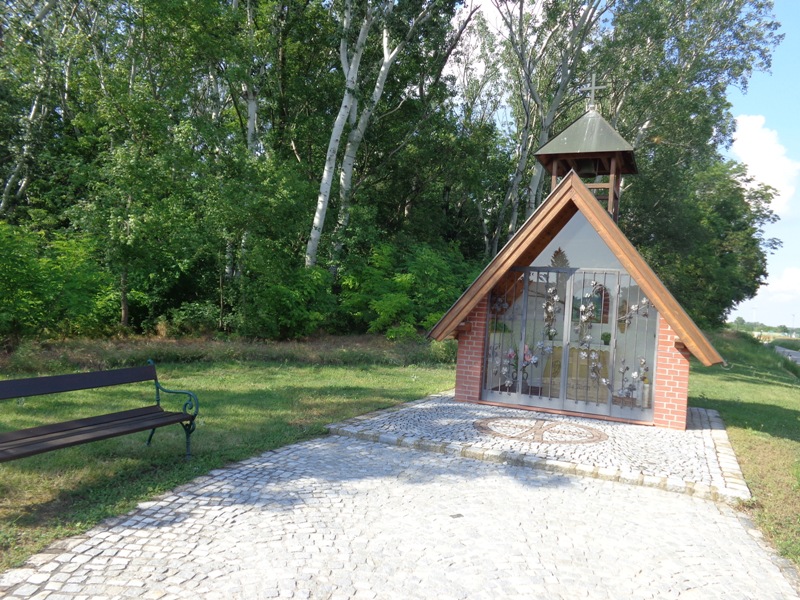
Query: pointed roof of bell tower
[589, 137]
[591, 148]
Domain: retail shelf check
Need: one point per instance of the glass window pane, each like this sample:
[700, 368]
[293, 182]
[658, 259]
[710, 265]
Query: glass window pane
[573, 332]
[636, 338]
[577, 246]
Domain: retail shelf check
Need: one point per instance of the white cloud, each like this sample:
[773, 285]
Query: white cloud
[776, 303]
[760, 149]
[786, 287]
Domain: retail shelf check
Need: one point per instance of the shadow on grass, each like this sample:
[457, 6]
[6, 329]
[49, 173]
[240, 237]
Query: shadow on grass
[777, 421]
[763, 378]
[771, 373]
[256, 422]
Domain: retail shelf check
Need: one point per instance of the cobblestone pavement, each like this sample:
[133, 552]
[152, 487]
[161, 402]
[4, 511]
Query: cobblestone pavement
[698, 461]
[341, 517]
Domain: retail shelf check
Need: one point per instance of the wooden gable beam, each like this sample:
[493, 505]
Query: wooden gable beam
[655, 291]
[527, 243]
[570, 196]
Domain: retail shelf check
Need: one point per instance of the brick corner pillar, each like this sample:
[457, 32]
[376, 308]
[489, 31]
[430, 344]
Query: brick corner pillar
[671, 404]
[470, 358]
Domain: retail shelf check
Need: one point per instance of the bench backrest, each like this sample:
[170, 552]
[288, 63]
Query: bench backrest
[37, 386]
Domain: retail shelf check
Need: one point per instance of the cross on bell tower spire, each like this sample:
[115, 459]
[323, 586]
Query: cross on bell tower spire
[591, 148]
[592, 88]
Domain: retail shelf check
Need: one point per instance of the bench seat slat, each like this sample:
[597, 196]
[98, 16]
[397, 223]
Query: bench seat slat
[65, 426]
[70, 433]
[36, 440]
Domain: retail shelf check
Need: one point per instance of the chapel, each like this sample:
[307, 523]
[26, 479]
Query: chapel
[568, 318]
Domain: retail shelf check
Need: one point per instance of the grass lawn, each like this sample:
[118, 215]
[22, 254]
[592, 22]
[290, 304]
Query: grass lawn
[246, 407]
[758, 397]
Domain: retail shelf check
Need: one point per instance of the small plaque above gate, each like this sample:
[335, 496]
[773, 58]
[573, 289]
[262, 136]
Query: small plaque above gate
[540, 431]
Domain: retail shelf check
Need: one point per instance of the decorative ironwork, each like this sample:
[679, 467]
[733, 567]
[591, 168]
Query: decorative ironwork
[605, 363]
[641, 309]
[191, 406]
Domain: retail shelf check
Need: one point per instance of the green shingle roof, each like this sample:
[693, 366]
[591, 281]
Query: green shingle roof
[589, 136]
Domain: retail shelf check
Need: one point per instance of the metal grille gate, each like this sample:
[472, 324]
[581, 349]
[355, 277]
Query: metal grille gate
[572, 339]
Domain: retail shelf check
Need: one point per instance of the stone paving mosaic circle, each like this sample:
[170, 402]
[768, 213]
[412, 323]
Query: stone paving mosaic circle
[542, 431]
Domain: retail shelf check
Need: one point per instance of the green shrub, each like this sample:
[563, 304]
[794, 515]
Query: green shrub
[46, 286]
[193, 318]
[402, 290]
[392, 310]
[291, 305]
[402, 333]
[23, 299]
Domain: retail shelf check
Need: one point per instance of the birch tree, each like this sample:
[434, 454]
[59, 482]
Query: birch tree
[350, 55]
[389, 27]
[37, 29]
[367, 111]
[482, 93]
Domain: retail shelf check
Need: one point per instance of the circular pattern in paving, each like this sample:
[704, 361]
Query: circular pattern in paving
[542, 431]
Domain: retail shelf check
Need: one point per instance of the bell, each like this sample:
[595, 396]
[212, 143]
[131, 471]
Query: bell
[586, 168]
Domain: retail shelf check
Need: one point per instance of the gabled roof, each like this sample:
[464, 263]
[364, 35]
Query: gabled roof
[570, 196]
[590, 135]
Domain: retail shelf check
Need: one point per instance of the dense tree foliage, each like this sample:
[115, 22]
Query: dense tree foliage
[167, 165]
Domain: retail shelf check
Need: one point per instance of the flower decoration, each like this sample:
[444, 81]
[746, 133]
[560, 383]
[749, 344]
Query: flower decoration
[499, 304]
[630, 384]
[510, 367]
[642, 309]
[551, 310]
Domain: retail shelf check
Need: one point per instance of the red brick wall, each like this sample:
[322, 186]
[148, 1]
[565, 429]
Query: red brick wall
[471, 345]
[671, 380]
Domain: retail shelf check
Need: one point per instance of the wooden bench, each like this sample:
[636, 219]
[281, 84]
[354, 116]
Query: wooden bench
[36, 440]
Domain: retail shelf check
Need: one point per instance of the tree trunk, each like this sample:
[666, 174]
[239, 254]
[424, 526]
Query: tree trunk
[123, 298]
[252, 115]
[350, 65]
[356, 135]
[512, 193]
[354, 140]
[16, 183]
[531, 44]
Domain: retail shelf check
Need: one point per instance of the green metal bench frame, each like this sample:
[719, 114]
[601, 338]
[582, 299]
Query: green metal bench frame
[37, 440]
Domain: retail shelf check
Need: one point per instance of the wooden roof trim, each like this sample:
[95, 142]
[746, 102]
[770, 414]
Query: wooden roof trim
[500, 264]
[566, 194]
[655, 291]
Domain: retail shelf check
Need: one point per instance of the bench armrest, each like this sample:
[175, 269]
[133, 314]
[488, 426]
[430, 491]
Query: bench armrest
[191, 405]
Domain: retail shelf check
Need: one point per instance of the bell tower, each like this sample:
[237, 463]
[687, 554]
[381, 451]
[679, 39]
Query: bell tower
[591, 148]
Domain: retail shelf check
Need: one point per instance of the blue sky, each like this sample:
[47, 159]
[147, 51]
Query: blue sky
[768, 142]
